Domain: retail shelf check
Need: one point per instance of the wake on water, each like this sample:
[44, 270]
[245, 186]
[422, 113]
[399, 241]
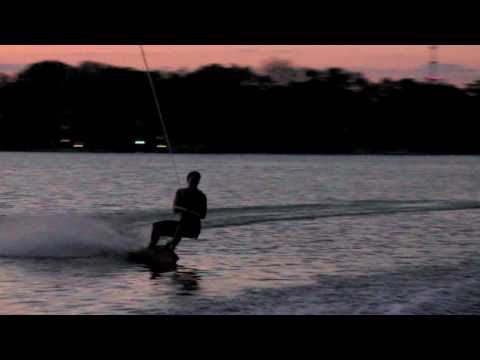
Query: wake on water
[59, 236]
[116, 233]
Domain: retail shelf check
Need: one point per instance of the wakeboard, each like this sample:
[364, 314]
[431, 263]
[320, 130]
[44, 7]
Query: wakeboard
[159, 257]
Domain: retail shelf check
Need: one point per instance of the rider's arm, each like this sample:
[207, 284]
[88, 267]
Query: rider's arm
[178, 208]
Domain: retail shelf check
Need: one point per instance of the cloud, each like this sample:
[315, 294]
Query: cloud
[456, 74]
[258, 50]
[284, 51]
[248, 50]
[11, 68]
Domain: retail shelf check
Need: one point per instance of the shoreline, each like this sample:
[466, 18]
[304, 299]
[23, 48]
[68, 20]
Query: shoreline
[242, 153]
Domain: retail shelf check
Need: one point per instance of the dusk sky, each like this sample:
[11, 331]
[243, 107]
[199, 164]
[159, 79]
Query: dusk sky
[461, 62]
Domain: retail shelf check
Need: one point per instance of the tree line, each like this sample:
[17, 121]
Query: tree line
[278, 109]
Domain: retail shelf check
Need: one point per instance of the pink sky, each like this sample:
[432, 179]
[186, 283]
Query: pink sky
[374, 57]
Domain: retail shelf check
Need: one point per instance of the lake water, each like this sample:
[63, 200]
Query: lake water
[284, 234]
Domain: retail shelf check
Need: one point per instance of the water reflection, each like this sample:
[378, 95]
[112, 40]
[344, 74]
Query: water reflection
[157, 272]
[187, 279]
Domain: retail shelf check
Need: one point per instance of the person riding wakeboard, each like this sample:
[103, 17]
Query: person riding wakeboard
[191, 204]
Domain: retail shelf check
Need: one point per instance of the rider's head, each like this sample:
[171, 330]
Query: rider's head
[193, 179]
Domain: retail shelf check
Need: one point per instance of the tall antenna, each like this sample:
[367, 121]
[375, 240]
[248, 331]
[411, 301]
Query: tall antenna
[433, 64]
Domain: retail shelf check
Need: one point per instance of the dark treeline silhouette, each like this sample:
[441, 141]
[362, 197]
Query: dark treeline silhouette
[281, 109]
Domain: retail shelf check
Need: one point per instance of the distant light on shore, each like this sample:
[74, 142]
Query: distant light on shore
[161, 146]
[139, 142]
[78, 146]
[64, 141]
